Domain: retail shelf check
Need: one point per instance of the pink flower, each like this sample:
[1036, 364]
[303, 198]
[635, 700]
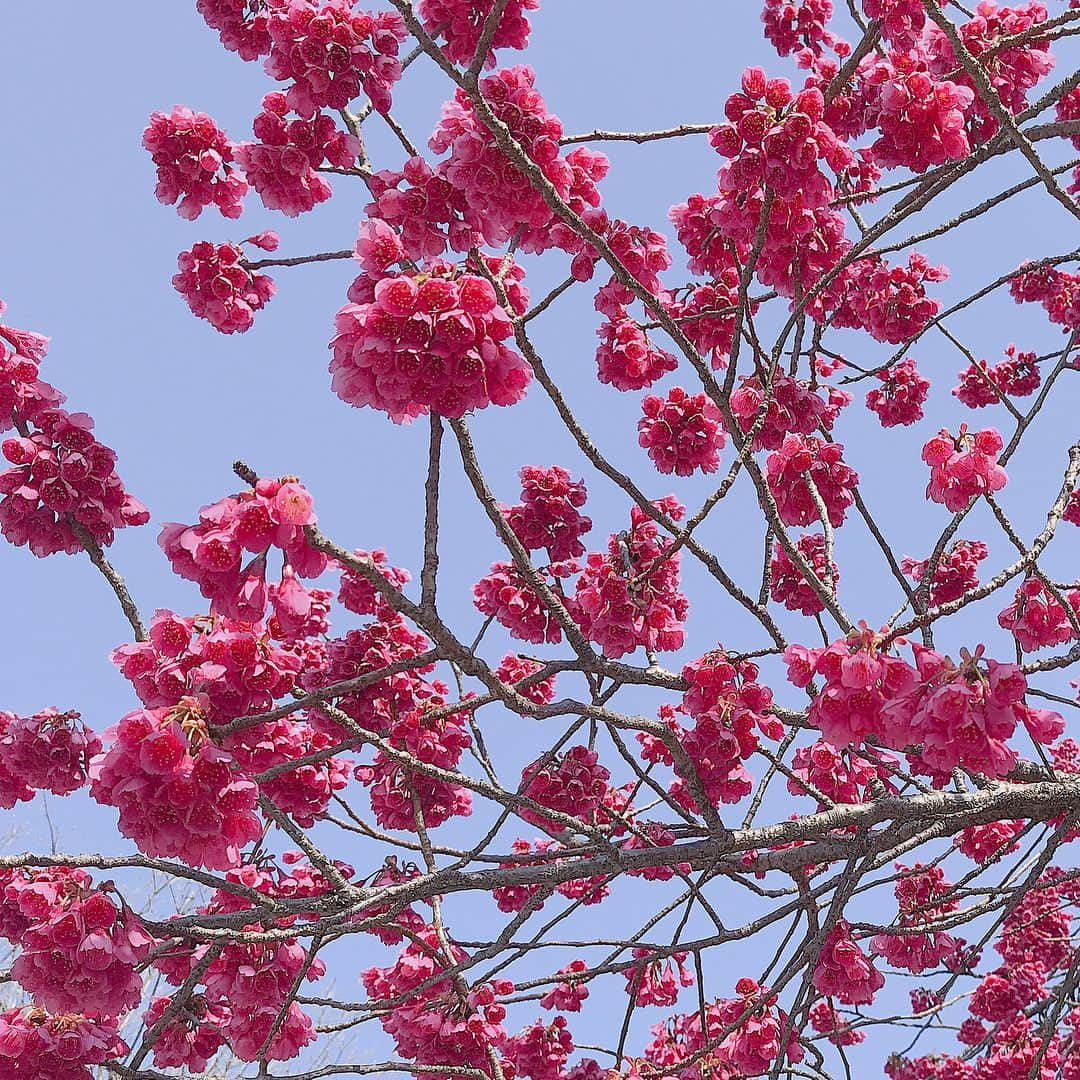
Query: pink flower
[218, 286]
[963, 467]
[844, 971]
[682, 433]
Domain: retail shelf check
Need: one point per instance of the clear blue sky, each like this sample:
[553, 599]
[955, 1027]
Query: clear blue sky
[86, 256]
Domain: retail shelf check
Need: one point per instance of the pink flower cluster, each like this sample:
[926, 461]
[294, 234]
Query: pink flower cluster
[572, 783]
[62, 481]
[549, 515]
[410, 342]
[901, 396]
[1037, 619]
[179, 796]
[844, 776]
[193, 158]
[844, 971]
[800, 27]
[682, 432]
[789, 587]
[399, 793]
[627, 359]
[459, 24]
[211, 553]
[963, 467]
[506, 596]
[231, 667]
[49, 751]
[801, 460]
[657, 981]
[330, 52]
[628, 596]
[888, 302]
[728, 706]
[439, 1025]
[923, 896]
[1017, 375]
[1057, 291]
[790, 406]
[219, 286]
[758, 1032]
[282, 165]
[37, 1046]
[243, 25]
[83, 955]
[956, 572]
[920, 115]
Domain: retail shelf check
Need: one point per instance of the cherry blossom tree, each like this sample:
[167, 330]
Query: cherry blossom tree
[621, 810]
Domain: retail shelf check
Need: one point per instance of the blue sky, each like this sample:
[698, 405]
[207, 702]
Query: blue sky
[87, 255]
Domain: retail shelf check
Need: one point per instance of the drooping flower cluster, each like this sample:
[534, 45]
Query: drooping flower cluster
[963, 467]
[682, 432]
[211, 553]
[459, 24]
[232, 667]
[729, 707]
[956, 572]
[1056, 290]
[194, 163]
[656, 981]
[788, 585]
[627, 359]
[330, 53]
[800, 461]
[1016, 376]
[888, 302]
[179, 795]
[48, 751]
[82, 955]
[844, 776]
[795, 26]
[63, 482]
[37, 1046]
[496, 198]
[549, 515]
[791, 406]
[923, 896]
[218, 285]
[757, 1033]
[243, 25]
[409, 342]
[921, 117]
[628, 596]
[901, 396]
[1037, 618]
[439, 1025]
[844, 971]
[572, 783]
[282, 165]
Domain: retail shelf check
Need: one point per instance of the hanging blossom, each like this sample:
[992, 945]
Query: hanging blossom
[166, 755]
[802, 458]
[900, 398]
[330, 53]
[242, 25]
[226, 552]
[459, 24]
[843, 971]
[282, 165]
[194, 163]
[628, 596]
[411, 342]
[48, 751]
[964, 466]
[1037, 619]
[657, 981]
[35, 1044]
[789, 587]
[220, 286]
[790, 406]
[549, 517]
[729, 707]
[682, 432]
[1017, 375]
[956, 572]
